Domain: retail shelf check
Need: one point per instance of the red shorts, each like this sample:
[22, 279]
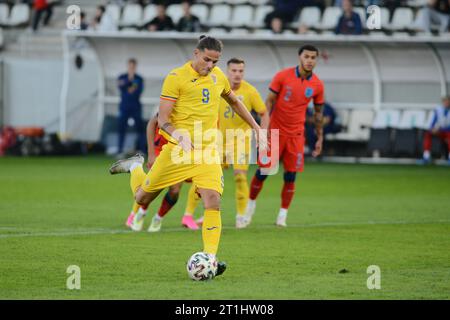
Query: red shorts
[291, 151]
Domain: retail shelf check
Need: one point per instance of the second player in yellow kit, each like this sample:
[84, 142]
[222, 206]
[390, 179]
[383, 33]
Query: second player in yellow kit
[237, 150]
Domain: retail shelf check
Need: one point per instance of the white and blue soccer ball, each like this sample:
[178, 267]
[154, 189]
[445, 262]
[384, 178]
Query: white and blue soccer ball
[202, 266]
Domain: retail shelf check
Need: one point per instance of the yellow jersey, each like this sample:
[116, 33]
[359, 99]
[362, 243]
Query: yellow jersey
[196, 98]
[251, 98]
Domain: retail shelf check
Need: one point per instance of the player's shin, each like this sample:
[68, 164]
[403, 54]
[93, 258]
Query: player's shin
[242, 192]
[137, 177]
[211, 230]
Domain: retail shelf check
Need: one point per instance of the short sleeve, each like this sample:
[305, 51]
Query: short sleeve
[171, 87]
[227, 87]
[319, 97]
[276, 84]
[257, 102]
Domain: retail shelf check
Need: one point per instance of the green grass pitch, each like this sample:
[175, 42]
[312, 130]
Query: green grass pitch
[57, 212]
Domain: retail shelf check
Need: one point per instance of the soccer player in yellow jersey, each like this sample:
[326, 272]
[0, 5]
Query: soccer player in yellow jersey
[236, 151]
[188, 116]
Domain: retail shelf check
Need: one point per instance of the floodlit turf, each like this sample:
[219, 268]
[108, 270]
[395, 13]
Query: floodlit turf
[59, 212]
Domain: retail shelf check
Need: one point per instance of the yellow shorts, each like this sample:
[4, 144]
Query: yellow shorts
[165, 173]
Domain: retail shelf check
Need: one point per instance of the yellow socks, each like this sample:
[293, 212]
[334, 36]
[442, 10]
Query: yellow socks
[211, 229]
[135, 207]
[192, 201]
[137, 177]
[242, 192]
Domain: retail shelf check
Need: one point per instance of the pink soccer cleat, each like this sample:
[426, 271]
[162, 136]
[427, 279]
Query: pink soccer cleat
[130, 220]
[189, 223]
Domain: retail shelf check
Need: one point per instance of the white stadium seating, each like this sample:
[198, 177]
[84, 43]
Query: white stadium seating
[20, 14]
[330, 18]
[260, 14]
[132, 15]
[220, 15]
[4, 12]
[242, 15]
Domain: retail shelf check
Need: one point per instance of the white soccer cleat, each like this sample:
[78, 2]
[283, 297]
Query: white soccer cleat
[241, 222]
[123, 166]
[155, 226]
[138, 222]
[281, 221]
[249, 212]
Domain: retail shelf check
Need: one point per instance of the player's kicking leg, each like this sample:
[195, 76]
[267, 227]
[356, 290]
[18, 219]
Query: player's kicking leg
[136, 209]
[133, 165]
[169, 200]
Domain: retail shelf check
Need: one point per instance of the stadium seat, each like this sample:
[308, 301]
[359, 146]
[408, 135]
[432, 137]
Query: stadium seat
[132, 15]
[4, 12]
[114, 11]
[259, 2]
[260, 13]
[241, 16]
[201, 11]
[384, 18]
[175, 11]
[330, 18]
[362, 14]
[220, 15]
[408, 132]
[20, 15]
[359, 122]
[309, 16]
[149, 13]
[402, 19]
[382, 132]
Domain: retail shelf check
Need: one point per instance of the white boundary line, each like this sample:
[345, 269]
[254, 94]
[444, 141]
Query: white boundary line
[89, 232]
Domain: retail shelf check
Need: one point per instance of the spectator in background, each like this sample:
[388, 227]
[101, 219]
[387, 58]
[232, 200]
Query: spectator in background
[330, 124]
[276, 25]
[41, 7]
[436, 11]
[285, 12]
[188, 22]
[103, 21]
[162, 22]
[83, 24]
[440, 127]
[131, 86]
[350, 21]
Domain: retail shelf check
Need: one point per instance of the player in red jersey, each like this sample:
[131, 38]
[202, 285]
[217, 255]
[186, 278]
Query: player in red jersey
[155, 143]
[291, 90]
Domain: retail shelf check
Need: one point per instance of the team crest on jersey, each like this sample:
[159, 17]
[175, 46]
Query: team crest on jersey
[213, 76]
[309, 92]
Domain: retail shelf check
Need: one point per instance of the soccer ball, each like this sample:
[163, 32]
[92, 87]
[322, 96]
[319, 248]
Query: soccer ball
[201, 266]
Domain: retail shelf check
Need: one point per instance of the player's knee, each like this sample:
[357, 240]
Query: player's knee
[211, 201]
[259, 176]
[289, 176]
[142, 198]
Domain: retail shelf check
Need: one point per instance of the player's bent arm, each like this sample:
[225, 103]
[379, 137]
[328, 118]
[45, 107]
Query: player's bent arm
[165, 109]
[318, 120]
[151, 129]
[270, 101]
[265, 119]
[240, 109]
